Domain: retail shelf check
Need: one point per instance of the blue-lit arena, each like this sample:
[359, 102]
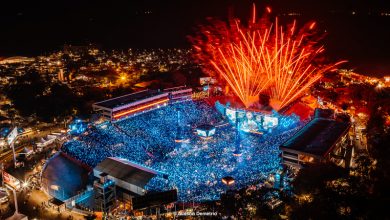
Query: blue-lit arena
[195, 166]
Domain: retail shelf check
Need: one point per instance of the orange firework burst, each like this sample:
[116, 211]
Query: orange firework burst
[261, 57]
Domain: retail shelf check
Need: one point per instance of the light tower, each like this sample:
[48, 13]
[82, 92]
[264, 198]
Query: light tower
[180, 135]
[237, 151]
[11, 138]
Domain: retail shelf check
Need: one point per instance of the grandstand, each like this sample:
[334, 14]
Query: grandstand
[128, 105]
[177, 94]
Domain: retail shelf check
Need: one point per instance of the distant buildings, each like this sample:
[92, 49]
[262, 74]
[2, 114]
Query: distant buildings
[16, 60]
[91, 67]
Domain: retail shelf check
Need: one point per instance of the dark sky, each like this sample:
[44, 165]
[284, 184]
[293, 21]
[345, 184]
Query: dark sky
[35, 27]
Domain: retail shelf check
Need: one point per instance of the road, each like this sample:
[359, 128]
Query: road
[7, 157]
[28, 140]
[32, 201]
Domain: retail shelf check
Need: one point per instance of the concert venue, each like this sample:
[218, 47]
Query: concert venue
[191, 144]
[206, 109]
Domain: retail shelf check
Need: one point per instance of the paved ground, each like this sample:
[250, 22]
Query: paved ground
[34, 204]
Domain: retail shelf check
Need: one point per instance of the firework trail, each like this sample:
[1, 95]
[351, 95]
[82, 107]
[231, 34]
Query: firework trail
[262, 57]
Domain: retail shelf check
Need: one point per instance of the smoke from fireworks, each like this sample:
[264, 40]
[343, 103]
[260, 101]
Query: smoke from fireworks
[261, 57]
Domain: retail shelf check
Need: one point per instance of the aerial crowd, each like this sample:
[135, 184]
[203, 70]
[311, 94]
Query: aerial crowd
[195, 167]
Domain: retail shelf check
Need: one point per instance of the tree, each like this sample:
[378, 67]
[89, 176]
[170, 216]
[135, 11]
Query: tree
[58, 103]
[178, 78]
[25, 92]
[34, 95]
[313, 178]
[312, 184]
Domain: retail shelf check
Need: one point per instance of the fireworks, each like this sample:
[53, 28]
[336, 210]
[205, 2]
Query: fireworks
[262, 57]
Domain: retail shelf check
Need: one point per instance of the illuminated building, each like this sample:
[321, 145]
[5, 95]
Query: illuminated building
[61, 77]
[16, 60]
[146, 100]
[125, 174]
[124, 180]
[105, 193]
[321, 140]
[256, 122]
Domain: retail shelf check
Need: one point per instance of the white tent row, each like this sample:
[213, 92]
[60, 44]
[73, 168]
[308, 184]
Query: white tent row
[45, 142]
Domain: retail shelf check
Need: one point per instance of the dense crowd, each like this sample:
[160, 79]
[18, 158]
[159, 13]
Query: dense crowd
[194, 167]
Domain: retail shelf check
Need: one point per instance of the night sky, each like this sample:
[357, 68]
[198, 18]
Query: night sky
[38, 27]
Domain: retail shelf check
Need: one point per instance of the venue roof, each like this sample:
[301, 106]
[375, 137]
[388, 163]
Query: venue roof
[318, 137]
[323, 113]
[129, 98]
[127, 171]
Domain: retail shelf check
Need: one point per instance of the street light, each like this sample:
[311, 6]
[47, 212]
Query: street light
[123, 77]
[25, 184]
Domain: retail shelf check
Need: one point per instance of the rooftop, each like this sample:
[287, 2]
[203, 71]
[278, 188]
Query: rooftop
[323, 113]
[317, 137]
[206, 127]
[56, 202]
[127, 171]
[129, 98]
[174, 89]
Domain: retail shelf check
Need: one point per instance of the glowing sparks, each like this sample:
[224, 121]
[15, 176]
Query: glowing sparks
[261, 57]
[313, 24]
[268, 9]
